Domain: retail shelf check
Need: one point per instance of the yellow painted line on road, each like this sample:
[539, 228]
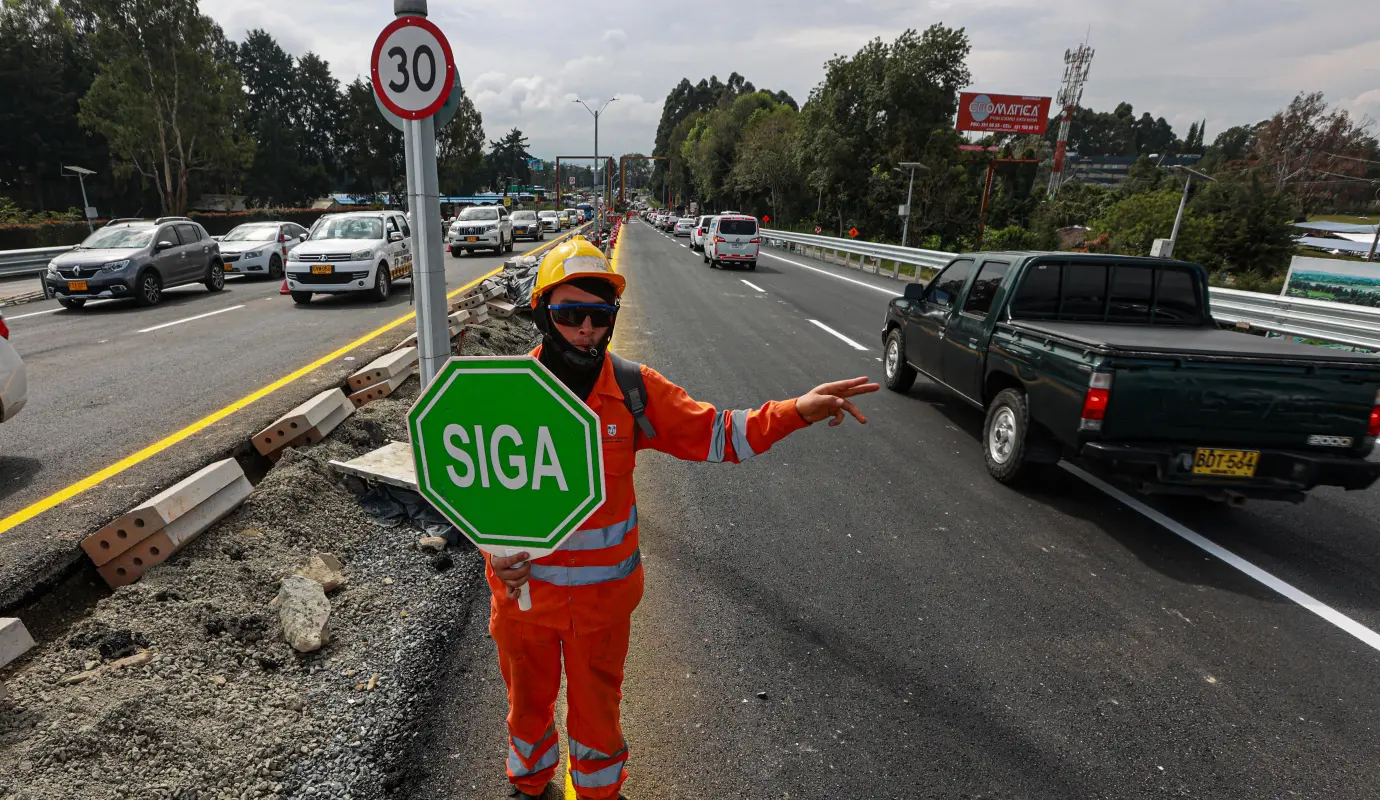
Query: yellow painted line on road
[97, 478]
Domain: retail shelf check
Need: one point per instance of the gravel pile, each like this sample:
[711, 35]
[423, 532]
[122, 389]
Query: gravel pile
[222, 707]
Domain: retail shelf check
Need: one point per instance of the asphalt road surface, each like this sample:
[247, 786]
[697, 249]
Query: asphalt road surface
[113, 378]
[923, 631]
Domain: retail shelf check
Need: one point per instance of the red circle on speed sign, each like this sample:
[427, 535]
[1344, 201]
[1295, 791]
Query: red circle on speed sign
[412, 67]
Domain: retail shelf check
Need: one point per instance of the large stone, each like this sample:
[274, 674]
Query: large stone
[325, 569]
[305, 613]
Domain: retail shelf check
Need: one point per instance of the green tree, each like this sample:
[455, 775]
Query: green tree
[507, 159]
[318, 102]
[371, 149]
[460, 149]
[1252, 229]
[280, 173]
[766, 162]
[1134, 223]
[168, 107]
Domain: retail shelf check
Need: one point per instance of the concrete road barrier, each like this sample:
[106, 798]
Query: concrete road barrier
[15, 640]
[381, 389]
[384, 368]
[217, 490]
[471, 300]
[461, 318]
[160, 511]
[492, 289]
[306, 424]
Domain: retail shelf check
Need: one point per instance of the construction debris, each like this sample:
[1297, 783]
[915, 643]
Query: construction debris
[304, 613]
[432, 544]
[15, 640]
[137, 660]
[150, 534]
[383, 368]
[326, 570]
[502, 308]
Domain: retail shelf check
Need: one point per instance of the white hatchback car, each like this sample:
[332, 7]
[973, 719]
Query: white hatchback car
[14, 384]
[732, 239]
[260, 248]
[358, 251]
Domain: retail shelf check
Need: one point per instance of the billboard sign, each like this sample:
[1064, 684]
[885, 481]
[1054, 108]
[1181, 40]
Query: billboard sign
[1002, 113]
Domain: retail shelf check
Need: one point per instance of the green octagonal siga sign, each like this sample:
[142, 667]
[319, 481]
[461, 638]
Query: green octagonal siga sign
[507, 453]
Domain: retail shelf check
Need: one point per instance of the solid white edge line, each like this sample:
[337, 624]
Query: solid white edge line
[1253, 572]
[190, 319]
[832, 275]
[36, 313]
[833, 332]
[754, 286]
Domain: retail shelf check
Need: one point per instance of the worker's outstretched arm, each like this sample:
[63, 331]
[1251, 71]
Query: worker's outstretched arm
[695, 431]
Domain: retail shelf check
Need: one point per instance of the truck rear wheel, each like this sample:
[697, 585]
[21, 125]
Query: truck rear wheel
[1004, 438]
[900, 376]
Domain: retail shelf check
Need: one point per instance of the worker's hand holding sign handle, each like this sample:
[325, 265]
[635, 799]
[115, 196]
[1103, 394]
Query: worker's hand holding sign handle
[513, 569]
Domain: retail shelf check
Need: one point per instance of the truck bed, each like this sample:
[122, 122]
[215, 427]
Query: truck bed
[1131, 340]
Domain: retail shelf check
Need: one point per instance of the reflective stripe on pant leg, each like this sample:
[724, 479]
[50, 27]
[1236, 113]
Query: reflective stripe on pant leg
[741, 448]
[526, 749]
[599, 538]
[548, 761]
[583, 753]
[598, 779]
[584, 576]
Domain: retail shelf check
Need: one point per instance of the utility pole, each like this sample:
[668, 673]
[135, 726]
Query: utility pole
[87, 211]
[1076, 64]
[912, 166]
[1183, 204]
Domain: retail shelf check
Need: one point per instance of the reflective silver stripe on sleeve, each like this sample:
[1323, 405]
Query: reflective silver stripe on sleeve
[547, 761]
[741, 448]
[584, 753]
[716, 439]
[599, 538]
[607, 776]
[584, 576]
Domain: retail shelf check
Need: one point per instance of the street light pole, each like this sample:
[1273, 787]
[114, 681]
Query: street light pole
[1183, 203]
[910, 192]
[595, 114]
[81, 173]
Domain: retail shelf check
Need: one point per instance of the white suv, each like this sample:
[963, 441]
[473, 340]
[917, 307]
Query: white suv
[359, 251]
[732, 239]
[14, 386]
[481, 228]
[697, 233]
[550, 221]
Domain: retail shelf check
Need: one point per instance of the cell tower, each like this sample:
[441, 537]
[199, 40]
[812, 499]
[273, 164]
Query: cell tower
[1076, 64]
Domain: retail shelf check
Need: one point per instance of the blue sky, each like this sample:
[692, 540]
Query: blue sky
[1227, 61]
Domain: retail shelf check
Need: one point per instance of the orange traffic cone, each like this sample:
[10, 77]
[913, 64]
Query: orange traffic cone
[284, 290]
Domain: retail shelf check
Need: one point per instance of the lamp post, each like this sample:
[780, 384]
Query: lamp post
[596, 114]
[912, 166]
[1183, 202]
[81, 173]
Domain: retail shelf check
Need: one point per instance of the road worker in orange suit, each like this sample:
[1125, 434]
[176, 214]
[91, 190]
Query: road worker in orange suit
[584, 594]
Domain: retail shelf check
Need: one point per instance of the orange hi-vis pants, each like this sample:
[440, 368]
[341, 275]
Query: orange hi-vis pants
[530, 657]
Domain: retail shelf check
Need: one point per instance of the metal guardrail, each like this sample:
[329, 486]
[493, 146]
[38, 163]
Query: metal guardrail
[28, 262]
[1336, 323]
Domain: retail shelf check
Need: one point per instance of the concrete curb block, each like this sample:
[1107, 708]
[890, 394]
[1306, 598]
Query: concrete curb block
[461, 317]
[15, 640]
[501, 308]
[160, 511]
[381, 389]
[384, 368]
[472, 299]
[305, 424]
[411, 340]
[158, 547]
[391, 464]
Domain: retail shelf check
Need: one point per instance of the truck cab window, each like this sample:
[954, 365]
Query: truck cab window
[1084, 291]
[1038, 295]
[985, 288]
[1177, 299]
[948, 284]
[1132, 294]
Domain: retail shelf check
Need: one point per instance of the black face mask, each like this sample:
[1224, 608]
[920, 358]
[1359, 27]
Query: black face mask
[577, 367]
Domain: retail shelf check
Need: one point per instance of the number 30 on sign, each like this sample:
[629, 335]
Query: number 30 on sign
[412, 67]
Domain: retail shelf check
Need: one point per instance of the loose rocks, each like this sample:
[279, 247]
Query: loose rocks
[305, 613]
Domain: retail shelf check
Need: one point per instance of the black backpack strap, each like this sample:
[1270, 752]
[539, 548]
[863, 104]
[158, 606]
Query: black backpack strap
[628, 374]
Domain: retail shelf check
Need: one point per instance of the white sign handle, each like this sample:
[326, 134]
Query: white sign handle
[524, 591]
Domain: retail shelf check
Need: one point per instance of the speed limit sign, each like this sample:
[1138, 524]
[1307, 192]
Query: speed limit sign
[412, 68]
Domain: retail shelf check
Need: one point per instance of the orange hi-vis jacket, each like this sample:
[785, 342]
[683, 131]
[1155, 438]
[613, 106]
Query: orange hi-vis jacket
[595, 578]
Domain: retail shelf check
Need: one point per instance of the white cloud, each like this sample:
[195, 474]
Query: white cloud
[1224, 60]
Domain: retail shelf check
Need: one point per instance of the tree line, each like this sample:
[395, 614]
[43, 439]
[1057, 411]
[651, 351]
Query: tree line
[835, 163]
[153, 96]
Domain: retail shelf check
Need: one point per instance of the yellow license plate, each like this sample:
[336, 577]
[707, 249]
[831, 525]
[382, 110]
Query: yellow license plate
[471, 238]
[76, 286]
[228, 268]
[322, 269]
[1225, 463]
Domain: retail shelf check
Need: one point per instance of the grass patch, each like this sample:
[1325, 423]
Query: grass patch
[1350, 219]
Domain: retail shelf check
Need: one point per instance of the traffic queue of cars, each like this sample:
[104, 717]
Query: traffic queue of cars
[725, 238]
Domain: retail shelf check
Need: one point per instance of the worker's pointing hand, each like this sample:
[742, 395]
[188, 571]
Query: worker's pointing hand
[831, 400]
[512, 576]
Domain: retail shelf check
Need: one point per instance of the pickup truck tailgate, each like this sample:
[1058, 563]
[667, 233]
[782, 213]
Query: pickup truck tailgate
[1214, 404]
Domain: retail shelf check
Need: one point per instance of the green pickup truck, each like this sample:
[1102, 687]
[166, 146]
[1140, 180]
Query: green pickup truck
[1116, 362]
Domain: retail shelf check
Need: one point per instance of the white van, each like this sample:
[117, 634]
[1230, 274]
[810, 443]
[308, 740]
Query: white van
[732, 239]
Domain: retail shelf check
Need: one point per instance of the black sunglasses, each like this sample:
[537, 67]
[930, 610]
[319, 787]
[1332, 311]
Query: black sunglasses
[574, 314]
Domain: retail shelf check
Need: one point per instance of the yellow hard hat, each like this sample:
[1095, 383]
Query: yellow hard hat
[571, 259]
